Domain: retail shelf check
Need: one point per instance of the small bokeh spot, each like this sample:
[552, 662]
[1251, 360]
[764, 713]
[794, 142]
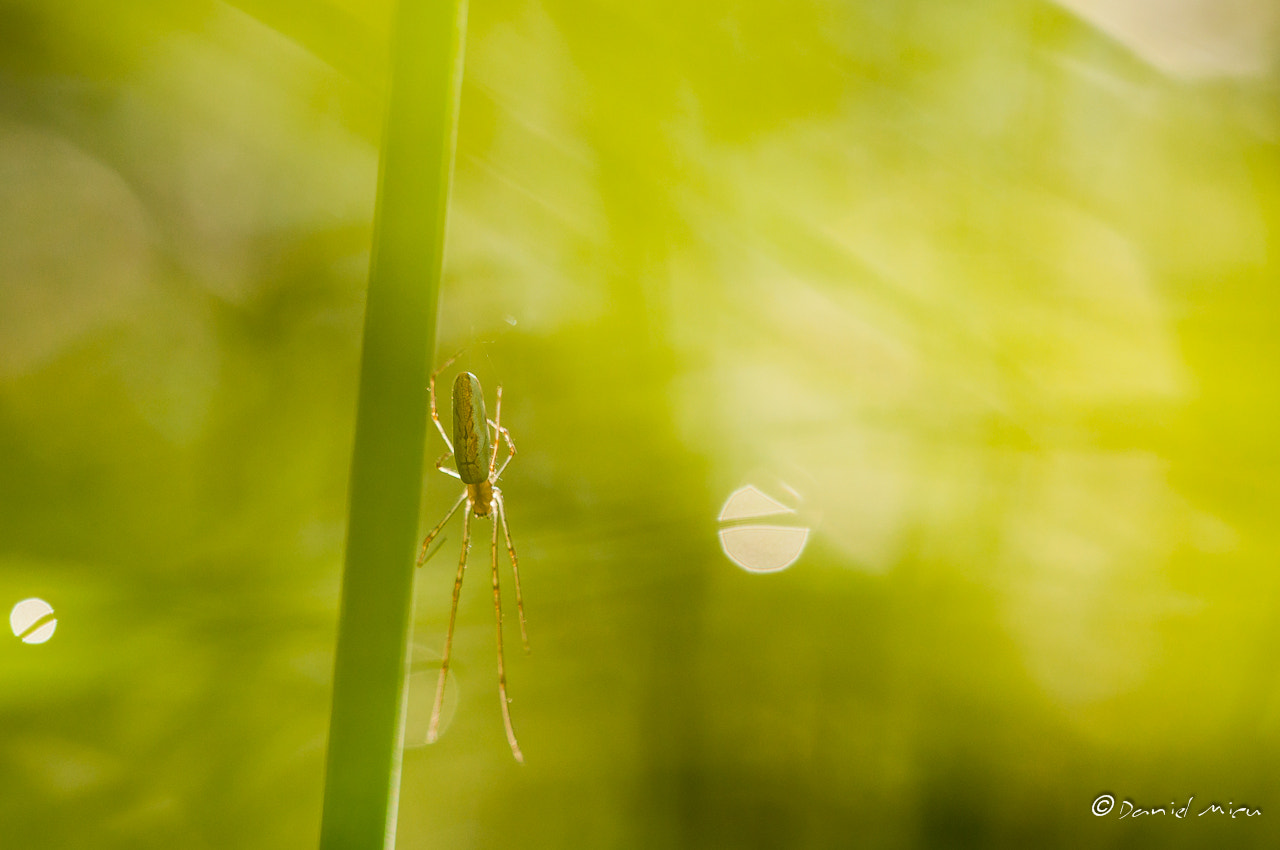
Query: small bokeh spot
[759, 548]
[32, 620]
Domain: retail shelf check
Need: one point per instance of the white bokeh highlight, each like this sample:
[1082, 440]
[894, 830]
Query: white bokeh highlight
[28, 613]
[759, 548]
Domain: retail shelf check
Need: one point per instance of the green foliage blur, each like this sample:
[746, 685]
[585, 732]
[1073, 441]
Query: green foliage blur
[990, 286]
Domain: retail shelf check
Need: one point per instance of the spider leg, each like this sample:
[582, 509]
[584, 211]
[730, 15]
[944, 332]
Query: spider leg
[515, 565]
[497, 430]
[433, 729]
[435, 416]
[510, 454]
[440, 466]
[502, 675]
[500, 430]
[422, 555]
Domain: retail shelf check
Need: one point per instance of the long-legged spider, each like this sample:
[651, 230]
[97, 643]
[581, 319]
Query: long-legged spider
[475, 456]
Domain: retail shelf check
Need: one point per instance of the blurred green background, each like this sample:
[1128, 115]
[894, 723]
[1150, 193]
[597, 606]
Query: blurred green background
[991, 287]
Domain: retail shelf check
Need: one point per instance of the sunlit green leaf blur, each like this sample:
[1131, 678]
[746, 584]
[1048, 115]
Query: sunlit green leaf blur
[984, 295]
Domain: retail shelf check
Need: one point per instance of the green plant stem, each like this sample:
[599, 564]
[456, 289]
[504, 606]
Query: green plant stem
[366, 728]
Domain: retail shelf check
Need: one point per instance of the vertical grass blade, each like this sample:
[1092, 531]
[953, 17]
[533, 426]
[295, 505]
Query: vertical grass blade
[366, 728]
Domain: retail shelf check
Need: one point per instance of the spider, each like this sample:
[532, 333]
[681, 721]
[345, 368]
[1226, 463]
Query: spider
[475, 458]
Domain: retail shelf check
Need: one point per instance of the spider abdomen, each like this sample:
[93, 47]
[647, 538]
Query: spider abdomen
[471, 447]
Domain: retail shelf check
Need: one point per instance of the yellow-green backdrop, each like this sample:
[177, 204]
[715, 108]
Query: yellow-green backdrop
[986, 291]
